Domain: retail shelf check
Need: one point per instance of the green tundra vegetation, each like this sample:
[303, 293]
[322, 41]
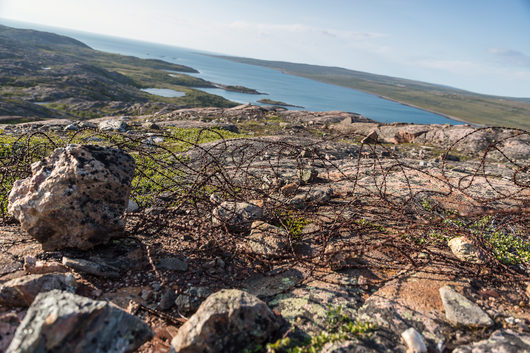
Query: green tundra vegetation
[156, 170]
[45, 75]
[452, 102]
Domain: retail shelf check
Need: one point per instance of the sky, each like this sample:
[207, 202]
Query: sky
[477, 45]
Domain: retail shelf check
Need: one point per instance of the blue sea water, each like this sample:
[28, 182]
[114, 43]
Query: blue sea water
[310, 94]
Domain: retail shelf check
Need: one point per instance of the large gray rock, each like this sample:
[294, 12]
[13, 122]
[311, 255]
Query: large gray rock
[500, 341]
[228, 321]
[462, 311]
[74, 198]
[23, 290]
[62, 322]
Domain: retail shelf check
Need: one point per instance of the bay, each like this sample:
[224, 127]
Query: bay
[310, 94]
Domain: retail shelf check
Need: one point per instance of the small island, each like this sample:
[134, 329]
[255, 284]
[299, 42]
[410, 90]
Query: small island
[239, 89]
[279, 103]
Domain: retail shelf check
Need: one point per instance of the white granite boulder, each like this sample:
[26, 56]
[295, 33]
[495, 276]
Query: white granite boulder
[75, 198]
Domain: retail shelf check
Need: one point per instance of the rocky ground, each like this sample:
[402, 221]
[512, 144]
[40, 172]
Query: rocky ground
[297, 231]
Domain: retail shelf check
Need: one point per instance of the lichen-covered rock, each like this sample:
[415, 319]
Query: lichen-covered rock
[505, 341]
[266, 239]
[236, 213]
[62, 322]
[113, 125]
[307, 175]
[228, 321]
[23, 290]
[462, 311]
[464, 249]
[74, 198]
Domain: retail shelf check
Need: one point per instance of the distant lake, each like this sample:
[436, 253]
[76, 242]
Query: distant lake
[164, 92]
[310, 94]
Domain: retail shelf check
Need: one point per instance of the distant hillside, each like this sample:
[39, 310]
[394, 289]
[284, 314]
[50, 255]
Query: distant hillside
[452, 102]
[45, 75]
[37, 38]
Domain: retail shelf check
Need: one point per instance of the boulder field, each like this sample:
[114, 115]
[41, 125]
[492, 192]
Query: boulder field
[252, 229]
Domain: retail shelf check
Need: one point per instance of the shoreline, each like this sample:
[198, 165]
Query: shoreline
[424, 109]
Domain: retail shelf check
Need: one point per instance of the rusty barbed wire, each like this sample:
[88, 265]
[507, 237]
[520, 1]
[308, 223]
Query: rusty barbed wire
[343, 203]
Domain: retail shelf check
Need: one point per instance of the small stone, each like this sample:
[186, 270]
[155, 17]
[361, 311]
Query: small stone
[461, 311]
[449, 157]
[150, 126]
[41, 267]
[305, 153]
[188, 302]
[289, 189]
[22, 291]
[236, 213]
[319, 196]
[464, 249]
[372, 137]
[113, 125]
[71, 127]
[167, 300]
[307, 175]
[220, 262]
[414, 341]
[62, 322]
[173, 264]
[92, 268]
[147, 294]
[132, 206]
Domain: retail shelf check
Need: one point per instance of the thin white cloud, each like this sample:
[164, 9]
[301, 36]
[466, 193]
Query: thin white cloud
[304, 29]
[510, 56]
